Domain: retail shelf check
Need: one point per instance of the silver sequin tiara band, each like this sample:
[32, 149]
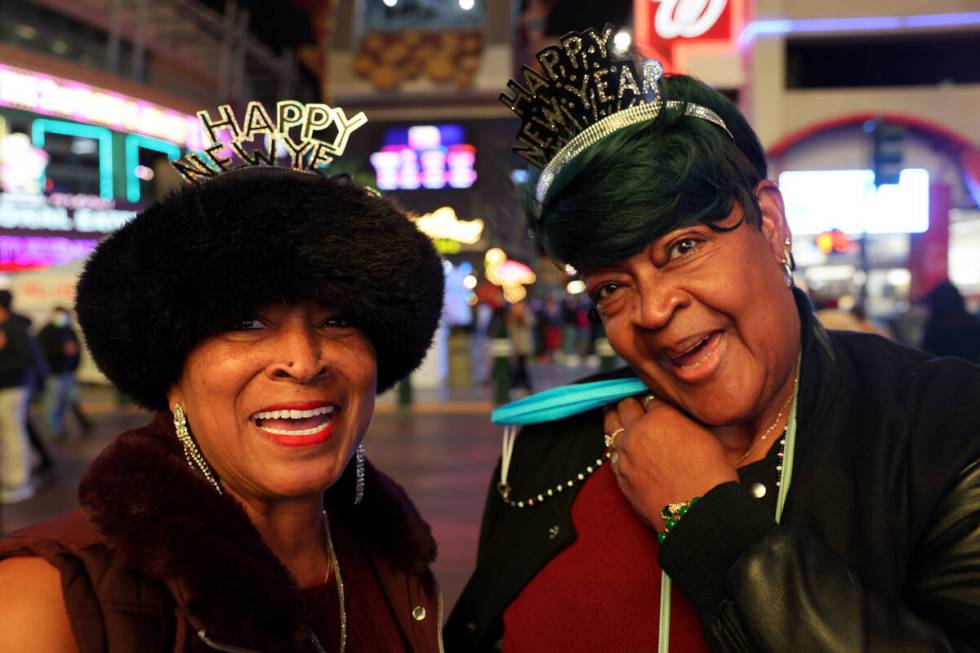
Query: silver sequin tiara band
[610, 124]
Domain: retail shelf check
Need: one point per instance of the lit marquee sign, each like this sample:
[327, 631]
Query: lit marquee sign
[63, 98]
[17, 253]
[509, 274]
[425, 156]
[447, 231]
[668, 29]
[823, 200]
[61, 212]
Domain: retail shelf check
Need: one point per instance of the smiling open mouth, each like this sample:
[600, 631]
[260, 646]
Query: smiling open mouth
[697, 354]
[294, 422]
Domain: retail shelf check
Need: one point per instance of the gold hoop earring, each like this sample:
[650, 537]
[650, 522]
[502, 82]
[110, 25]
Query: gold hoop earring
[192, 454]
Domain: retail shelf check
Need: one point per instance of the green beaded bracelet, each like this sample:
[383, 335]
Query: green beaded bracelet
[672, 513]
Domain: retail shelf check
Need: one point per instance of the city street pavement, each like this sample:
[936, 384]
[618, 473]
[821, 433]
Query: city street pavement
[442, 450]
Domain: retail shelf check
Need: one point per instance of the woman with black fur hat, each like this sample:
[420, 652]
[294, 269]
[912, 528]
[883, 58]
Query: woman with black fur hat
[258, 313]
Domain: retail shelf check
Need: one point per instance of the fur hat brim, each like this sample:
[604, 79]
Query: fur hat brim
[205, 257]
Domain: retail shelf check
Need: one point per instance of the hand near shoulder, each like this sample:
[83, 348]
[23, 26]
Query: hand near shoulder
[33, 616]
[663, 456]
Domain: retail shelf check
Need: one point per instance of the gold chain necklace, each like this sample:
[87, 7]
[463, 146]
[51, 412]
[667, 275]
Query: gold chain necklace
[335, 566]
[765, 435]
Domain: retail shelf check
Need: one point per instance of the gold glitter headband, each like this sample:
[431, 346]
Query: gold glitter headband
[297, 132]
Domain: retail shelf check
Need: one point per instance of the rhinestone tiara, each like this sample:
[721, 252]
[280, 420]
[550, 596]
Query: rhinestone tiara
[584, 96]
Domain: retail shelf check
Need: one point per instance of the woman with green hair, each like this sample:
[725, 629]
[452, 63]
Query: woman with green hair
[751, 482]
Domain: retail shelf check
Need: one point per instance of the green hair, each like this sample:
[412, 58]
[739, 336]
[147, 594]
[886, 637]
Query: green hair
[648, 179]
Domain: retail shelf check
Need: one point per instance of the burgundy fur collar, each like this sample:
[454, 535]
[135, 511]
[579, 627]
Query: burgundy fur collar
[170, 524]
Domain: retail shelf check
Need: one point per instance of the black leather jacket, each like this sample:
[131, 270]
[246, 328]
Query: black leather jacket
[879, 544]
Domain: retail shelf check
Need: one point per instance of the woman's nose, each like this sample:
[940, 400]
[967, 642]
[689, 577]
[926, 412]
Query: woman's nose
[656, 303]
[298, 354]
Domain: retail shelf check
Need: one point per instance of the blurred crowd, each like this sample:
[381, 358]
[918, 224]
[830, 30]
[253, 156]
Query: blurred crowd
[37, 367]
[562, 331]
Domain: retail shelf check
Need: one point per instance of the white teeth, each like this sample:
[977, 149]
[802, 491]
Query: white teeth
[309, 431]
[693, 347]
[293, 414]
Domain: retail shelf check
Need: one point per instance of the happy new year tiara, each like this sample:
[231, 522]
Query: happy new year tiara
[311, 135]
[584, 97]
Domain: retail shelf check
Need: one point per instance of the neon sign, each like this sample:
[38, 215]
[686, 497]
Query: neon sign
[509, 274]
[60, 212]
[780, 26]
[425, 156]
[21, 164]
[18, 253]
[63, 98]
[133, 144]
[42, 127]
[444, 224]
[667, 30]
[678, 18]
[855, 206]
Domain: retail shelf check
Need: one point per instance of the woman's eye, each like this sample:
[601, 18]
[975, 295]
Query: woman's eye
[683, 247]
[604, 291]
[251, 324]
[336, 322]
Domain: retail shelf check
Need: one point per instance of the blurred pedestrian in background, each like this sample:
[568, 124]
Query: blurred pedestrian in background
[832, 316]
[520, 330]
[59, 342]
[15, 363]
[34, 378]
[950, 329]
[551, 328]
[865, 324]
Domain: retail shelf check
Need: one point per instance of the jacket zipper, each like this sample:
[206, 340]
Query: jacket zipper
[224, 648]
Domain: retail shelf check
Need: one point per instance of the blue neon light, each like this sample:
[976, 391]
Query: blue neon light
[780, 26]
[133, 143]
[44, 126]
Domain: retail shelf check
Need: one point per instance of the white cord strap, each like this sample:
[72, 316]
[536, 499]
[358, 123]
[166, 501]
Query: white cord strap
[663, 639]
[510, 437]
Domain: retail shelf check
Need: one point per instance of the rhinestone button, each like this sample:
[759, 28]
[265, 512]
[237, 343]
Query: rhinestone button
[418, 613]
[758, 490]
[553, 532]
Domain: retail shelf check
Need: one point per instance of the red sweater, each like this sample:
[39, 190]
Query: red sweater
[601, 593]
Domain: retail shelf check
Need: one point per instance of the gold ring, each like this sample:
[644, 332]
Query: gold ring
[610, 439]
[646, 400]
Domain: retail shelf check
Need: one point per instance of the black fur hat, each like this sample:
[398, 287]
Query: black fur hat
[202, 259]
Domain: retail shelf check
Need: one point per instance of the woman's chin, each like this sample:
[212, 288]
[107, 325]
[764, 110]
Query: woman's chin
[296, 481]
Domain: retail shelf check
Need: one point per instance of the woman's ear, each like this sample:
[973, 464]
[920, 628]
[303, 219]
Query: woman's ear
[173, 396]
[774, 225]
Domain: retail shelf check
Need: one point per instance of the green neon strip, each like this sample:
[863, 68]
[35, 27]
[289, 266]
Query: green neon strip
[44, 126]
[133, 144]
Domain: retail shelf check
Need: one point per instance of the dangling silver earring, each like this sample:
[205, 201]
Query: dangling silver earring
[359, 472]
[787, 262]
[191, 452]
